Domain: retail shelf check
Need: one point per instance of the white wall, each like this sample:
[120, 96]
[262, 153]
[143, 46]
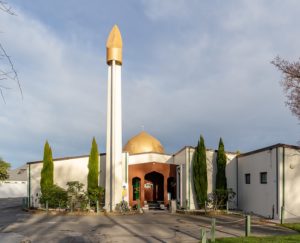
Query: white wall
[9, 189]
[180, 160]
[149, 157]
[191, 198]
[231, 176]
[256, 197]
[69, 169]
[292, 183]
[180, 157]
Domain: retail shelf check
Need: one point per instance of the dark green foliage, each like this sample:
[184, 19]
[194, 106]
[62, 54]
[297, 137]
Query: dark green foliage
[77, 197]
[93, 170]
[221, 182]
[96, 195]
[47, 170]
[4, 166]
[56, 196]
[200, 172]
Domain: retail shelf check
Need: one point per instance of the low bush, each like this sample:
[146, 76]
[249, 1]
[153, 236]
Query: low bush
[56, 196]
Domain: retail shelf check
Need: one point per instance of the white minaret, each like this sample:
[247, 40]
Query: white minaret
[113, 184]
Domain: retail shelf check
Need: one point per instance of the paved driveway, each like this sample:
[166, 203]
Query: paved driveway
[154, 226]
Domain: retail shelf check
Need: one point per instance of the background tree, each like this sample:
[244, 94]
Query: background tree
[221, 181]
[221, 194]
[4, 166]
[93, 165]
[290, 83]
[7, 69]
[200, 172]
[47, 170]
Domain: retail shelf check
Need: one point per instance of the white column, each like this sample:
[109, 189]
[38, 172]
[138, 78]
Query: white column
[113, 185]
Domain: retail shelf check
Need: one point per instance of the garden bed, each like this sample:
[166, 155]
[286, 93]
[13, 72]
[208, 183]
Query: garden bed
[77, 212]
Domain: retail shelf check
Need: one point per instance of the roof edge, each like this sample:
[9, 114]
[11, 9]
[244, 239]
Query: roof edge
[269, 148]
[64, 158]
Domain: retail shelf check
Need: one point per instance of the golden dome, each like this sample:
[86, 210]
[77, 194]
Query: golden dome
[143, 143]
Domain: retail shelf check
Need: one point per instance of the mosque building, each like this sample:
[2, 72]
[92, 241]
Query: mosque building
[264, 180]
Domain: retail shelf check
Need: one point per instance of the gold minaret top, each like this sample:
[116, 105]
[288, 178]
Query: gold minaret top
[114, 46]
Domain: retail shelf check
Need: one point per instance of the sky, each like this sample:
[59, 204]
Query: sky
[189, 68]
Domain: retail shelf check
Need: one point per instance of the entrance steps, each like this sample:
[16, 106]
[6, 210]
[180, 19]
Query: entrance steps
[153, 205]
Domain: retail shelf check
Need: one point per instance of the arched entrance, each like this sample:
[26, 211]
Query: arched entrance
[154, 187]
[153, 182]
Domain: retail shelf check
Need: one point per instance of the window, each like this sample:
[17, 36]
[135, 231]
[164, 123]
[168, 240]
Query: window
[247, 178]
[263, 177]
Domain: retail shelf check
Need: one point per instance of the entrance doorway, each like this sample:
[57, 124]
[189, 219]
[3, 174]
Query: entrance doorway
[154, 187]
[172, 187]
[136, 184]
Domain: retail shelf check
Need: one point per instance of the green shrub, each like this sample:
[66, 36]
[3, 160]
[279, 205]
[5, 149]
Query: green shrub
[96, 194]
[56, 197]
[122, 207]
[77, 197]
[4, 166]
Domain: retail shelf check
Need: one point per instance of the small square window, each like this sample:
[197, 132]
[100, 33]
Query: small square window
[263, 178]
[247, 178]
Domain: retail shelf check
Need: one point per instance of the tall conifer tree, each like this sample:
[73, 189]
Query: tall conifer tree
[93, 167]
[200, 172]
[221, 181]
[47, 170]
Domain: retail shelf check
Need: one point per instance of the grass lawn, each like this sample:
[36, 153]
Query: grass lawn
[285, 238]
[292, 226]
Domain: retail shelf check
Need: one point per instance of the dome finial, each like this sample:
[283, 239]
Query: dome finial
[114, 46]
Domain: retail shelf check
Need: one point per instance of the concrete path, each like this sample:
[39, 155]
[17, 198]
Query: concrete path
[154, 226]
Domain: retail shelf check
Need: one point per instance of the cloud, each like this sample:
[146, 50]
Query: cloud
[190, 67]
[217, 78]
[63, 92]
[163, 10]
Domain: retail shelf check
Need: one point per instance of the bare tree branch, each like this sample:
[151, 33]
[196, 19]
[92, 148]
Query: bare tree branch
[10, 73]
[13, 70]
[290, 83]
[6, 8]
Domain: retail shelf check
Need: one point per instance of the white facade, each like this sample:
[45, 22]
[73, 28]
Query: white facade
[290, 196]
[150, 157]
[65, 170]
[280, 164]
[15, 185]
[9, 189]
[185, 191]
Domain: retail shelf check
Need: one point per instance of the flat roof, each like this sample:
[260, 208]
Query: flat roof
[64, 158]
[185, 147]
[278, 145]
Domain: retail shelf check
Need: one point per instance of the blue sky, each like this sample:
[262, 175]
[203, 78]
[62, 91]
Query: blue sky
[190, 68]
